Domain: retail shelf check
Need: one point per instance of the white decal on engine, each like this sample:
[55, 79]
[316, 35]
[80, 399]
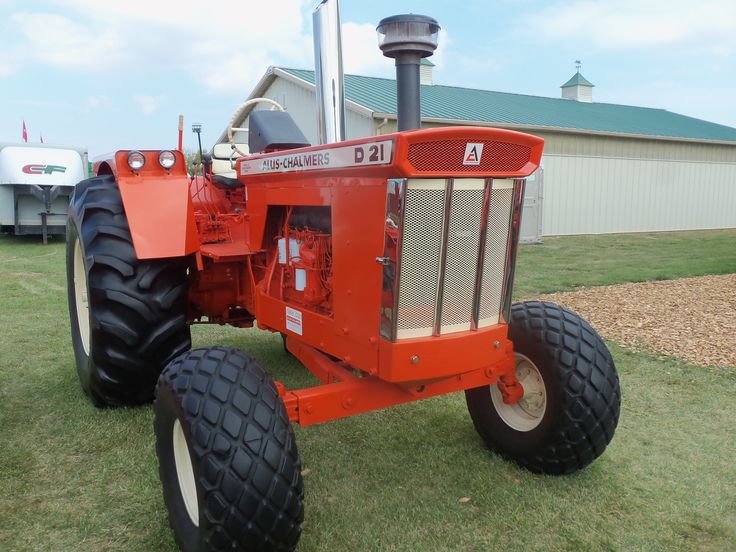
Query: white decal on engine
[294, 320]
[358, 155]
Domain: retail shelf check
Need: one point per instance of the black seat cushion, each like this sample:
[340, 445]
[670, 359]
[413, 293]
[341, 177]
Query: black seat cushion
[226, 183]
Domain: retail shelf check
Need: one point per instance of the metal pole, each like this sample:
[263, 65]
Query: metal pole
[197, 128]
[407, 91]
[328, 73]
[181, 131]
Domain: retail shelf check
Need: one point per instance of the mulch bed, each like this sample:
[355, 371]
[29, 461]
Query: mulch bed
[691, 318]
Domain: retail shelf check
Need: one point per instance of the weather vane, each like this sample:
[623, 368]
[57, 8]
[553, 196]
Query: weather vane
[578, 64]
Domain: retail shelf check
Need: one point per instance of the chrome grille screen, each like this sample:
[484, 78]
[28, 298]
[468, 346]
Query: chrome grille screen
[495, 252]
[461, 259]
[446, 255]
[420, 257]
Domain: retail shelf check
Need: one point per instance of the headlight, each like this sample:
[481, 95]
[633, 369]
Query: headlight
[136, 160]
[166, 159]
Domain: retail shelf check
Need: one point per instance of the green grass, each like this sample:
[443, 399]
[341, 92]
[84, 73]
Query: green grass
[76, 478]
[566, 263]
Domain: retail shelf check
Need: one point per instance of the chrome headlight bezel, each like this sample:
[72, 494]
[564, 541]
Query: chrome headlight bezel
[136, 160]
[167, 159]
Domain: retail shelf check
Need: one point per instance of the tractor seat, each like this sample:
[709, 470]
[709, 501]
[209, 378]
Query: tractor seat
[226, 183]
[221, 159]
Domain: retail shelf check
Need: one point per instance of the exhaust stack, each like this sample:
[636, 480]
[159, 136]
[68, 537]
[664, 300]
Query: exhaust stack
[408, 38]
[328, 74]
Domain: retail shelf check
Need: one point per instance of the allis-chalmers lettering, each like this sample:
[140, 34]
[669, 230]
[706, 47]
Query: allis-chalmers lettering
[297, 161]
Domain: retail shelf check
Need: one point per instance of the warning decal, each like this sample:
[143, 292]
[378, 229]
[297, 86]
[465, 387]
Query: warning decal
[473, 153]
[294, 320]
[358, 155]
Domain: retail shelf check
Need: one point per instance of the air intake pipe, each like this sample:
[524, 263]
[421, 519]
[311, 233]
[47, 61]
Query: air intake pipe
[407, 39]
[328, 74]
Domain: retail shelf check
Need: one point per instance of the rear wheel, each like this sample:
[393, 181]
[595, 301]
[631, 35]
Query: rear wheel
[571, 402]
[128, 316]
[228, 460]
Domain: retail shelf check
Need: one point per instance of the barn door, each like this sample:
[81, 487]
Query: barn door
[531, 217]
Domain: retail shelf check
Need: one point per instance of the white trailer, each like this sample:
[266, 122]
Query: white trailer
[36, 181]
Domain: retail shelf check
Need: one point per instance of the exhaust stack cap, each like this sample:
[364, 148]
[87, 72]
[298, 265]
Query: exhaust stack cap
[407, 39]
[408, 34]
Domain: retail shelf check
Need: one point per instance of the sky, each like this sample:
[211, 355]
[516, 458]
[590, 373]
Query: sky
[116, 75]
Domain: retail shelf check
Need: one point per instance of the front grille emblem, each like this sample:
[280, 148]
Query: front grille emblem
[473, 153]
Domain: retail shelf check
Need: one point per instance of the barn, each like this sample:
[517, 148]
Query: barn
[607, 168]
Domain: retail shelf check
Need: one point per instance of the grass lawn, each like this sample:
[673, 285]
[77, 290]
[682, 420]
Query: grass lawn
[76, 478]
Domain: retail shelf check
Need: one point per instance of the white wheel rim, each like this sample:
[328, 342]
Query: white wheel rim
[80, 297]
[185, 473]
[527, 413]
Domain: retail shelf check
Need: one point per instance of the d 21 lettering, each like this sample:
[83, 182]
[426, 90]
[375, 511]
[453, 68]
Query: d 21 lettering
[375, 153]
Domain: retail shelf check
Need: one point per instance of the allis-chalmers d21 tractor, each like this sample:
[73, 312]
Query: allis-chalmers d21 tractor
[387, 265]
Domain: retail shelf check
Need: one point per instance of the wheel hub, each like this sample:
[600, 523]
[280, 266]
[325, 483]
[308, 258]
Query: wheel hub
[527, 413]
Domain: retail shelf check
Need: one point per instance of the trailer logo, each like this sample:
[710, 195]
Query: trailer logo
[473, 153]
[43, 169]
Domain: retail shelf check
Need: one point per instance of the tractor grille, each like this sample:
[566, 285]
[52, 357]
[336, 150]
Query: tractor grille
[420, 261]
[447, 156]
[494, 259]
[451, 253]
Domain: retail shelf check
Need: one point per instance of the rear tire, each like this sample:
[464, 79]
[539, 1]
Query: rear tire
[236, 482]
[128, 316]
[571, 402]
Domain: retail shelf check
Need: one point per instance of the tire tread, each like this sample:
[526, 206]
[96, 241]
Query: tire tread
[588, 383]
[140, 305]
[250, 468]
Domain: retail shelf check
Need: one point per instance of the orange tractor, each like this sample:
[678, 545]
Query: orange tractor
[386, 263]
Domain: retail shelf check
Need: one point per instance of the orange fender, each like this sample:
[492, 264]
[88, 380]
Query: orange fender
[158, 205]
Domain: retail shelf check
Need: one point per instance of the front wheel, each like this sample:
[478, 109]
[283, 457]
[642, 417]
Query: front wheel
[571, 402]
[228, 461]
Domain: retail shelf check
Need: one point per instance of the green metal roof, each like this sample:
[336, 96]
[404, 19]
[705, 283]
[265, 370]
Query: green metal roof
[425, 61]
[502, 108]
[577, 80]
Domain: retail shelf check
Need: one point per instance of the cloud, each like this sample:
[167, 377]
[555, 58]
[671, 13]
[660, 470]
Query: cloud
[228, 48]
[7, 67]
[360, 53]
[57, 40]
[223, 46]
[628, 24]
[149, 104]
[97, 102]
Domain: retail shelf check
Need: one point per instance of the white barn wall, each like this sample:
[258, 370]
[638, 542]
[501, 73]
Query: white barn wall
[585, 195]
[596, 185]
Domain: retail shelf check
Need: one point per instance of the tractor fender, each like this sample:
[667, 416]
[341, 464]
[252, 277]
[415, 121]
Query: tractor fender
[158, 205]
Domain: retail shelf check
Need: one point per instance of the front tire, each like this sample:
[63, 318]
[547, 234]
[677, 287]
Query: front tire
[128, 316]
[571, 401]
[228, 461]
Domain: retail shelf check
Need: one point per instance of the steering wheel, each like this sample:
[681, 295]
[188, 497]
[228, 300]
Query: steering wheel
[239, 113]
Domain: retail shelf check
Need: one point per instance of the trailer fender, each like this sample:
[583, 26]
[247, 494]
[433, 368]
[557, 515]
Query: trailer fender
[159, 209]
